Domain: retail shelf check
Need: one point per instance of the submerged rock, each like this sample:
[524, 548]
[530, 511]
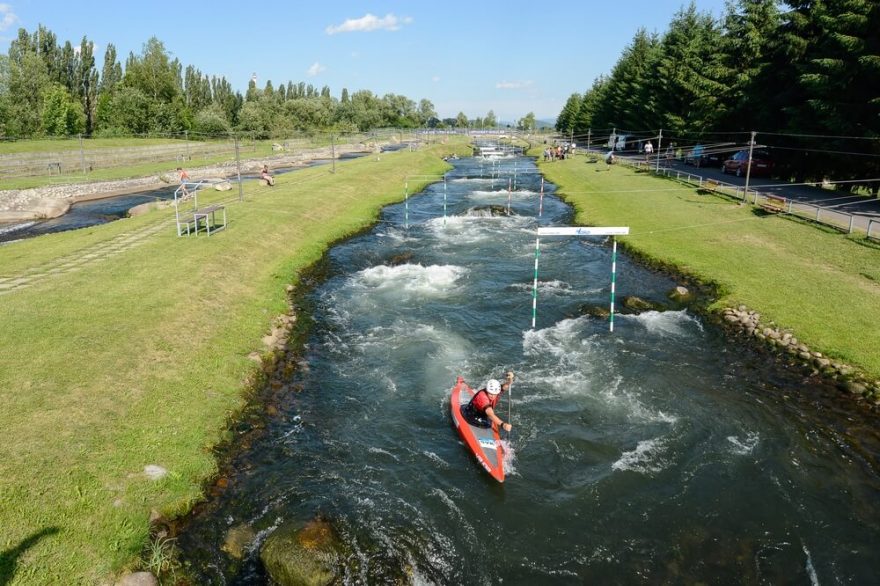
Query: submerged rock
[637, 304]
[237, 540]
[400, 259]
[302, 555]
[594, 311]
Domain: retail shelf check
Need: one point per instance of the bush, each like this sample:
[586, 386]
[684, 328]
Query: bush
[211, 121]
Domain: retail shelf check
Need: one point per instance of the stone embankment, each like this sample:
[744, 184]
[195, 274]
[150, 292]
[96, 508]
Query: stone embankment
[848, 378]
[19, 205]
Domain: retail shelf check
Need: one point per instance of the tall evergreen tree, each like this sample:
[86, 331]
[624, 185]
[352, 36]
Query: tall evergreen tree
[628, 98]
[749, 28]
[565, 120]
[689, 74]
[586, 117]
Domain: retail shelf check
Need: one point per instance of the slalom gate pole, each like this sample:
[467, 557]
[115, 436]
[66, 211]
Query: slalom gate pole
[613, 281]
[444, 201]
[535, 286]
[509, 195]
[514, 174]
[541, 199]
[509, 409]
[406, 204]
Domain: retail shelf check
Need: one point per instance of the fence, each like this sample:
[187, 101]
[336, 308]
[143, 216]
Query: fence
[32, 163]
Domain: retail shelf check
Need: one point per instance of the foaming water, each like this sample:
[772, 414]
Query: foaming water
[656, 453]
[407, 279]
[648, 457]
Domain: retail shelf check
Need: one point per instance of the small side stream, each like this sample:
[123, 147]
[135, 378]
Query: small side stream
[109, 209]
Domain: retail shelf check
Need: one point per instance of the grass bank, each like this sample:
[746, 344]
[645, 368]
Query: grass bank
[822, 285]
[140, 358]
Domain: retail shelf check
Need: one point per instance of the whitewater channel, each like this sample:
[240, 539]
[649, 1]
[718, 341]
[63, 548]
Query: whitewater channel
[657, 453]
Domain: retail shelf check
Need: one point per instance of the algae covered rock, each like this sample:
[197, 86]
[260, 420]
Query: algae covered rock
[296, 555]
[637, 305]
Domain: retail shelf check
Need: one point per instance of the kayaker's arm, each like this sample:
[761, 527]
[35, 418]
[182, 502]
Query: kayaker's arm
[490, 413]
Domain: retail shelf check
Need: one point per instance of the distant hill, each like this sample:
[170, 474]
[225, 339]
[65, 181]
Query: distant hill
[546, 123]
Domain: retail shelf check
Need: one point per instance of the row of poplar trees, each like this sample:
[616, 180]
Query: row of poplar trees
[804, 74]
[49, 89]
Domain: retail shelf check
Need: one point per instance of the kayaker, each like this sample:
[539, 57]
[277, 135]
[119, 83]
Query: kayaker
[481, 409]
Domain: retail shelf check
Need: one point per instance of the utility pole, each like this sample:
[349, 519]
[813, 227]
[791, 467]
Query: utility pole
[82, 154]
[238, 170]
[659, 143]
[333, 151]
[589, 133]
[186, 141]
[749, 167]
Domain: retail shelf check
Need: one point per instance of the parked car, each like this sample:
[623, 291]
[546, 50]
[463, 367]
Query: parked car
[762, 164]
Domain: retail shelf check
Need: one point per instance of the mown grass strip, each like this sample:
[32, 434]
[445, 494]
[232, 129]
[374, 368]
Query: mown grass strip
[140, 358]
[822, 285]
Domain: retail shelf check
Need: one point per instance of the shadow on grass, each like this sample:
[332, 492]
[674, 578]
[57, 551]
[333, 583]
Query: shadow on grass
[9, 557]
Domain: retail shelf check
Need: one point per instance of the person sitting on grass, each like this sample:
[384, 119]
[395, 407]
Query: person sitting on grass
[265, 176]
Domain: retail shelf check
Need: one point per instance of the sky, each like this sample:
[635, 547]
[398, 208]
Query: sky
[510, 56]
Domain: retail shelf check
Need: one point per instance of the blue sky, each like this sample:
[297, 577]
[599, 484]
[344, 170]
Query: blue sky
[512, 57]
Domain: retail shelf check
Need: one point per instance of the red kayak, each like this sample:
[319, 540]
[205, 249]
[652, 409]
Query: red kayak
[484, 442]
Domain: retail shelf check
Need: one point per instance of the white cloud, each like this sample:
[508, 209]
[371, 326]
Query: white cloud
[513, 85]
[368, 23]
[7, 17]
[315, 69]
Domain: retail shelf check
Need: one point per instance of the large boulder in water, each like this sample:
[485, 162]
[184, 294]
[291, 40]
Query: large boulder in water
[491, 210]
[295, 555]
[680, 294]
[594, 311]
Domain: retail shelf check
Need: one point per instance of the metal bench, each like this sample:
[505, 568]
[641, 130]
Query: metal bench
[773, 204]
[709, 185]
[208, 214]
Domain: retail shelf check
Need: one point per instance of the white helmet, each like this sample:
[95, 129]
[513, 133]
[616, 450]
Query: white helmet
[493, 387]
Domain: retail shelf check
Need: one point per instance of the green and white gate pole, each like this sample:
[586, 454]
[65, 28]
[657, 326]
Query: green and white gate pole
[535, 287]
[444, 201]
[406, 204]
[541, 199]
[580, 231]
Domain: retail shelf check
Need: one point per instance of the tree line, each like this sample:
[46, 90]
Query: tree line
[50, 89]
[804, 74]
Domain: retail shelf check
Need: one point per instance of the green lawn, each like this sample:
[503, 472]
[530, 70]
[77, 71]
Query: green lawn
[142, 358]
[822, 285]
